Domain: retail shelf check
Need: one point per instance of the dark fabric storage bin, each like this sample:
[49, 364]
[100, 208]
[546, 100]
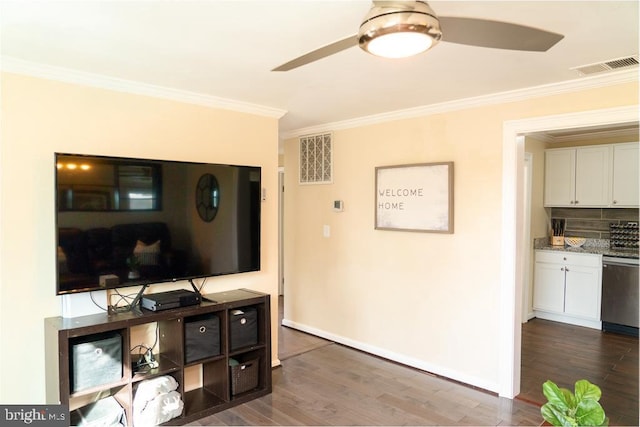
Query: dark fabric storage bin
[244, 376]
[201, 337]
[95, 360]
[244, 327]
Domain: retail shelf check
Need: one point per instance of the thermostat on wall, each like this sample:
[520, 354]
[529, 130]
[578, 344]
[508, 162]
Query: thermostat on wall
[338, 206]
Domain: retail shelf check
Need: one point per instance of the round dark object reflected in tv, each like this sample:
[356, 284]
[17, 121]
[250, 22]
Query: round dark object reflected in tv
[207, 197]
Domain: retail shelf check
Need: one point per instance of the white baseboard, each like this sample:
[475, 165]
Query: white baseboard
[397, 357]
[593, 324]
[74, 305]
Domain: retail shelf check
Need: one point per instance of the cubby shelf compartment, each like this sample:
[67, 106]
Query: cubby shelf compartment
[199, 400]
[78, 404]
[165, 366]
[211, 395]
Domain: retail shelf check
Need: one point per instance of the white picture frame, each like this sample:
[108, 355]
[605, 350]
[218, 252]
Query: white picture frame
[417, 197]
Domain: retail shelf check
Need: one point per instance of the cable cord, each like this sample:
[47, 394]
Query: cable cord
[96, 304]
[126, 298]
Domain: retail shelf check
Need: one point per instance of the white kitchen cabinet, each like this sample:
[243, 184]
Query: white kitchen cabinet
[583, 291]
[559, 177]
[592, 176]
[567, 287]
[548, 287]
[577, 177]
[625, 176]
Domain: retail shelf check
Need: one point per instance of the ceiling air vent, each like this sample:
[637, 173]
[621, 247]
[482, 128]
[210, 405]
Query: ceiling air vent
[610, 65]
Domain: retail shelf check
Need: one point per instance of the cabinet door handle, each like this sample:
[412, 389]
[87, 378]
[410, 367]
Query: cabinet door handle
[566, 269]
[562, 269]
[571, 202]
[576, 202]
[615, 202]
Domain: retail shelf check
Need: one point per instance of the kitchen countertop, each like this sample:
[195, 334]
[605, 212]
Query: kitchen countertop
[597, 247]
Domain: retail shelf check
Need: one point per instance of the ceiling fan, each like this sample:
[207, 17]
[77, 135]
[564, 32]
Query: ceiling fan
[396, 29]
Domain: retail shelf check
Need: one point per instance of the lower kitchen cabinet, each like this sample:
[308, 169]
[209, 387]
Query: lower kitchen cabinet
[568, 287]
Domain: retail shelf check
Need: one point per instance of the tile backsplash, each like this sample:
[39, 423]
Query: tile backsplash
[593, 223]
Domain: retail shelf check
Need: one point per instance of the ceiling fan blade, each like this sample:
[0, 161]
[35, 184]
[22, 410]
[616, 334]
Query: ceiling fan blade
[496, 34]
[323, 52]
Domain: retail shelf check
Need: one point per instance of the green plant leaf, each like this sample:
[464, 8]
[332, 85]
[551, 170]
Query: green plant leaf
[587, 390]
[557, 417]
[555, 396]
[566, 409]
[589, 413]
[552, 415]
[569, 398]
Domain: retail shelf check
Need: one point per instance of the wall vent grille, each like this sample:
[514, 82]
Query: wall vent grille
[316, 159]
[610, 65]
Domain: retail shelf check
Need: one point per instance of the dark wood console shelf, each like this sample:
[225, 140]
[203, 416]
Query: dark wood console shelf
[211, 394]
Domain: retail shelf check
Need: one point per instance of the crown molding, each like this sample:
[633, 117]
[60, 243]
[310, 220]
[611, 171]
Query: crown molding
[584, 83]
[19, 66]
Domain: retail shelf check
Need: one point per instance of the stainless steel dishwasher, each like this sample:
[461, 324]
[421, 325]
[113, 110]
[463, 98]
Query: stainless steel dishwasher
[620, 292]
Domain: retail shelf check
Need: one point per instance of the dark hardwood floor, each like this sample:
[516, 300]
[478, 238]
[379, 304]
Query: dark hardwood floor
[566, 353]
[324, 383]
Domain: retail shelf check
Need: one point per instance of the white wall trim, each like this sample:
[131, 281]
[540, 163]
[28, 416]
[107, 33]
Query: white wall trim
[583, 83]
[511, 233]
[593, 324]
[396, 357]
[67, 75]
[19, 66]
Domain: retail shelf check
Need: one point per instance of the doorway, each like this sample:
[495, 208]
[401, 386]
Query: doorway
[512, 267]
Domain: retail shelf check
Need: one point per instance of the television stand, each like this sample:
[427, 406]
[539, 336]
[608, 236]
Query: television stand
[206, 385]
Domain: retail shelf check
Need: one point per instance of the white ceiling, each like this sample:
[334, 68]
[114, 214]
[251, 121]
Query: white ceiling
[226, 49]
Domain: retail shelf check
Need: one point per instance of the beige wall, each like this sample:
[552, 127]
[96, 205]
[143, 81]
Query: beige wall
[429, 300]
[40, 117]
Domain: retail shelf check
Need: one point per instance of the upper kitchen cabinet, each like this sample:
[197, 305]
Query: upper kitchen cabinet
[625, 176]
[593, 176]
[577, 177]
[559, 177]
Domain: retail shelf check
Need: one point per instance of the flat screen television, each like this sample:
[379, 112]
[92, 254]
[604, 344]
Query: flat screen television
[129, 222]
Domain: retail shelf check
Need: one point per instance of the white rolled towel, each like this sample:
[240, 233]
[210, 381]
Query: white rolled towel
[156, 401]
[159, 410]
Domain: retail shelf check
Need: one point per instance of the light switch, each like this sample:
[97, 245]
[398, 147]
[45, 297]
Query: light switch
[326, 231]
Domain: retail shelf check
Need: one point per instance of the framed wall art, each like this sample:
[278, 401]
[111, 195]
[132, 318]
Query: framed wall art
[416, 197]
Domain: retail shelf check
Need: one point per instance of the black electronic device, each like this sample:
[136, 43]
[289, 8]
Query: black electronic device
[170, 299]
[134, 222]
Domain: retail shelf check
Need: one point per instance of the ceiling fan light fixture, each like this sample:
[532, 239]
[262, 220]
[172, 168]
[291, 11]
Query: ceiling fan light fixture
[399, 29]
[399, 45]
